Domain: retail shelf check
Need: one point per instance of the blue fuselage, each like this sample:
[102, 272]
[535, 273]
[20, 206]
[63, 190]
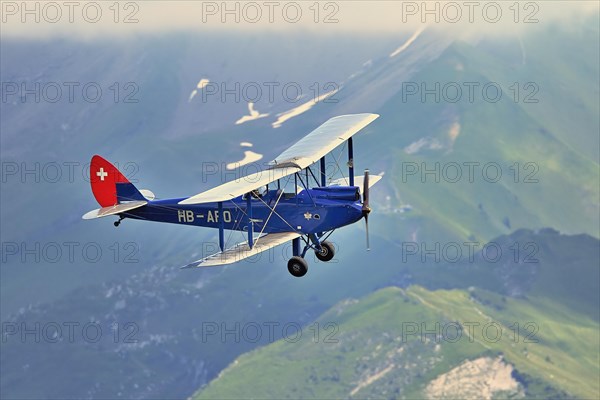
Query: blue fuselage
[310, 211]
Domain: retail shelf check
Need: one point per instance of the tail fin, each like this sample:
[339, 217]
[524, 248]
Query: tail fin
[109, 185]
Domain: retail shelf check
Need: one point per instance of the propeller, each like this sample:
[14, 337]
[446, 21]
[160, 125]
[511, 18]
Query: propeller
[365, 207]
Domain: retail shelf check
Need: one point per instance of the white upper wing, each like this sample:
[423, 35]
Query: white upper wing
[305, 152]
[238, 187]
[358, 180]
[241, 250]
[323, 139]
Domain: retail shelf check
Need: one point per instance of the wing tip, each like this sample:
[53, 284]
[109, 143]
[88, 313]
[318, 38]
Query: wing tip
[195, 264]
[366, 115]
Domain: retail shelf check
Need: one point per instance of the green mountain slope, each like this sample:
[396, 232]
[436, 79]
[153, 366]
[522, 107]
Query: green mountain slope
[394, 343]
[535, 323]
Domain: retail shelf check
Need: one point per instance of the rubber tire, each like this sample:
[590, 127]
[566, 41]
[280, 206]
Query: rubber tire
[297, 266]
[328, 252]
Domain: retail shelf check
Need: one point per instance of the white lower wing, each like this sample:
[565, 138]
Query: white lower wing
[242, 250]
[112, 210]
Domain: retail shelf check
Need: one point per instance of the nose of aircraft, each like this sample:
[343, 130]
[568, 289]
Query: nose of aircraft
[355, 211]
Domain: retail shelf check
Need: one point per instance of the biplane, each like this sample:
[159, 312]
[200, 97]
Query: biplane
[259, 204]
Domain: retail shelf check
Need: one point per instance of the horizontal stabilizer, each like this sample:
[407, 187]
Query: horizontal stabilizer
[113, 210]
[241, 250]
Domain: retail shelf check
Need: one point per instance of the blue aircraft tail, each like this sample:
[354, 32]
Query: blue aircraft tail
[128, 192]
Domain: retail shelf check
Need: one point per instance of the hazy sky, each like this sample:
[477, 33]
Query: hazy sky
[90, 19]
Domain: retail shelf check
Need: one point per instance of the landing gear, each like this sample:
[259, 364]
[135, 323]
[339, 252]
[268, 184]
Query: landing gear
[118, 222]
[327, 251]
[297, 266]
[324, 251]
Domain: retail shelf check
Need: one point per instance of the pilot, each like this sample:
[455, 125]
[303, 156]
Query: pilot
[259, 193]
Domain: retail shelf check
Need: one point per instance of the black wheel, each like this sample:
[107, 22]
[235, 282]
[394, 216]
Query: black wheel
[117, 223]
[327, 252]
[297, 266]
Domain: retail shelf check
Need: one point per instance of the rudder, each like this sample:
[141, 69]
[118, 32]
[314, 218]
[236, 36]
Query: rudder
[109, 185]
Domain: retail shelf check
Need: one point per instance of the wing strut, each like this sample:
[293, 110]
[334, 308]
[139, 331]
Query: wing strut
[296, 246]
[351, 161]
[221, 227]
[323, 176]
[250, 222]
